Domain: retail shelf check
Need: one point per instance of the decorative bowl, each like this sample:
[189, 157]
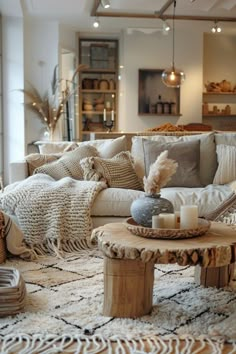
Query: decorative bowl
[168, 234]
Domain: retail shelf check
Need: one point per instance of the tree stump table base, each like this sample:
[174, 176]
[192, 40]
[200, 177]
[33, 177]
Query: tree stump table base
[128, 287]
[218, 277]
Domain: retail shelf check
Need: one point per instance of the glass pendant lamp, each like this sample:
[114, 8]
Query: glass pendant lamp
[173, 77]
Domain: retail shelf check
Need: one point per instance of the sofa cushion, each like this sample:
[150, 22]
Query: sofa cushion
[117, 201]
[185, 153]
[208, 162]
[51, 147]
[118, 172]
[37, 160]
[225, 138]
[68, 164]
[114, 202]
[107, 148]
[226, 157]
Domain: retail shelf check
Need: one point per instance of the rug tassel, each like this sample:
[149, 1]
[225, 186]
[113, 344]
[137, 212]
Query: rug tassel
[47, 344]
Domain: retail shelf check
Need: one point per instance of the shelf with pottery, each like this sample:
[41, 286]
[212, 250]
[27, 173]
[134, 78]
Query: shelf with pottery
[98, 88]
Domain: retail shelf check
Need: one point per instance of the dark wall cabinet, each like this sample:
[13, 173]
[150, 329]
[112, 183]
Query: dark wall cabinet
[154, 98]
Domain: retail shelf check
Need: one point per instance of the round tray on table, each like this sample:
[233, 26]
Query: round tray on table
[167, 234]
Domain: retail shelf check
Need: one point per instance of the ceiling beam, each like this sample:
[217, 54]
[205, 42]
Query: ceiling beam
[165, 17]
[96, 4]
[164, 8]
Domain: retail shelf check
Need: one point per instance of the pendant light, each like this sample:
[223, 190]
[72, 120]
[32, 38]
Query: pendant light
[173, 77]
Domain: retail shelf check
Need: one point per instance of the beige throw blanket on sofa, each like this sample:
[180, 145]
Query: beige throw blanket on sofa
[53, 215]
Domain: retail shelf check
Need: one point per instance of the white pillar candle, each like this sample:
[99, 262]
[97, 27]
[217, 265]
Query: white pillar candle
[188, 217]
[104, 115]
[177, 219]
[169, 220]
[112, 116]
[157, 222]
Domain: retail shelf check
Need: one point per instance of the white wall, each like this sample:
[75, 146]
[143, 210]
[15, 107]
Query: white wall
[41, 52]
[219, 58]
[13, 80]
[154, 51]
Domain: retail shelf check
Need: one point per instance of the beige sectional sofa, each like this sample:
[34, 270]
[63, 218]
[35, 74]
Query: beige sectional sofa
[207, 166]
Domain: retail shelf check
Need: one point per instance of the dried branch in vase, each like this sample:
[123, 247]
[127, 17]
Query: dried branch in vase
[49, 107]
[160, 173]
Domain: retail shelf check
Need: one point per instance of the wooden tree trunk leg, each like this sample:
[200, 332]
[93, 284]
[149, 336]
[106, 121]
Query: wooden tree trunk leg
[128, 287]
[216, 276]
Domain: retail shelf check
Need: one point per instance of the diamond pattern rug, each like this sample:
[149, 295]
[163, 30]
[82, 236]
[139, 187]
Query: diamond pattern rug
[66, 296]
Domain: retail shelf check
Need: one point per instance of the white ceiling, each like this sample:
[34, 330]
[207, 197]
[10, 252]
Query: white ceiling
[77, 13]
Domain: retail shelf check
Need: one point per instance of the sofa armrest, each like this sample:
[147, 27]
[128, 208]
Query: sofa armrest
[18, 170]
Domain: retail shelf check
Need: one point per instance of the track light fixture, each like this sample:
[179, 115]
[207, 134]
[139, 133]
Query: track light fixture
[216, 28]
[96, 23]
[165, 26]
[105, 3]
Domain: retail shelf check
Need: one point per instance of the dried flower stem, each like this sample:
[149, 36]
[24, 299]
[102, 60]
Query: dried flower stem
[160, 173]
[49, 108]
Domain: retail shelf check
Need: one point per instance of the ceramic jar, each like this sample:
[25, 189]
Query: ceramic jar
[142, 209]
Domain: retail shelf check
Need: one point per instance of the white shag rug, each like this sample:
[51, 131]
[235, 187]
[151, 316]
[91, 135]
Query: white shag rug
[66, 296]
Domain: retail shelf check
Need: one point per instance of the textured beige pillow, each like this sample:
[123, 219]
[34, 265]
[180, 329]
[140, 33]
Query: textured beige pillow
[118, 172]
[226, 171]
[185, 153]
[68, 164]
[36, 160]
[208, 162]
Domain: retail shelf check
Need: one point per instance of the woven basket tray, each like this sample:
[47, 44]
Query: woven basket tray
[170, 234]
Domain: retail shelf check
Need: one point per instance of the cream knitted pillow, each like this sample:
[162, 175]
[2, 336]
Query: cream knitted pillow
[118, 172]
[68, 164]
[226, 171]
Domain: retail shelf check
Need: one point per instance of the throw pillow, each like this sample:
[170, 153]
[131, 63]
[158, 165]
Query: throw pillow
[187, 154]
[118, 172]
[226, 171]
[37, 160]
[68, 164]
[108, 148]
[208, 161]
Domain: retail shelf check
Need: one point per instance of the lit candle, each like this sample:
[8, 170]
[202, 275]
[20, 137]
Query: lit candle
[169, 220]
[104, 115]
[177, 219]
[188, 217]
[157, 222]
[112, 116]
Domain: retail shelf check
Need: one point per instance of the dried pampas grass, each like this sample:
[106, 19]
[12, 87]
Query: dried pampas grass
[160, 173]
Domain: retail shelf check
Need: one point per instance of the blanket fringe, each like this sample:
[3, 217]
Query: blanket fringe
[59, 249]
[66, 343]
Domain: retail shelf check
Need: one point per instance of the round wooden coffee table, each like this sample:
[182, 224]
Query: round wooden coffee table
[129, 264]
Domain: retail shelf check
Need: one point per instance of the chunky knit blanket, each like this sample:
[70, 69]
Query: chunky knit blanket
[53, 215]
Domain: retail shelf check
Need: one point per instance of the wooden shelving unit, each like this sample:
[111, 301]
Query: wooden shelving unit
[98, 89]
